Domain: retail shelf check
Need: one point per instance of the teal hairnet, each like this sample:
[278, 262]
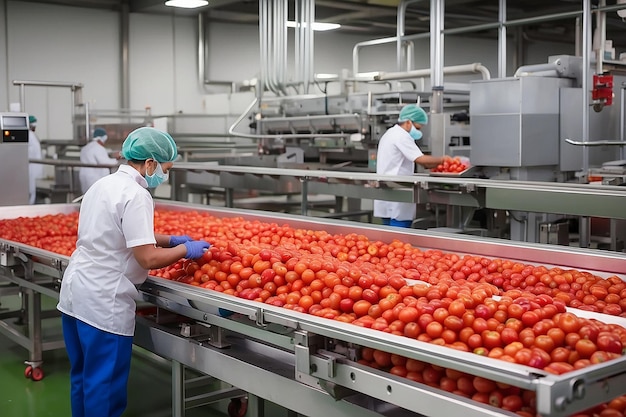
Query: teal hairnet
[99, 133]
[32, 119]
[414, 113]
[148, 142]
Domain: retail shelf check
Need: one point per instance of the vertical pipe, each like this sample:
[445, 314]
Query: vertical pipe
[584, 224]
[577, 40]
[125, 70]
[622, 153]
[296, 42]
[201, 49]
[585, 81]
[311, 57]
[436, 54]
[400, 32]
[601, 29]
[502, 40]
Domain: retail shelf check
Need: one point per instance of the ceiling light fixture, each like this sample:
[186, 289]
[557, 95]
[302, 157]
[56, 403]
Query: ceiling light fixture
[186, 4]
[317, 26]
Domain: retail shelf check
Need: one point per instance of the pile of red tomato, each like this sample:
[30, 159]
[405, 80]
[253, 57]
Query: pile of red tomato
[452, 165]
[494, 307]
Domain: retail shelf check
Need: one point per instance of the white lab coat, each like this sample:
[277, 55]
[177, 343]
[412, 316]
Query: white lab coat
[396, 155]
[93, 153]
[99, 284]
[35, 171]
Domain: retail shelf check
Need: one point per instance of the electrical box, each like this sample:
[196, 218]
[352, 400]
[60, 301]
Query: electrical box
[14, 159]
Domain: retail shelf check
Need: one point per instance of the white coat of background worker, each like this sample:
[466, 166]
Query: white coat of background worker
[94, 153]
[35, 171]
[397, 154]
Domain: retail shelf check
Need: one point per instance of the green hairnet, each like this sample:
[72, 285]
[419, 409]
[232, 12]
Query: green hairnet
[32, 119]
[414, 113]
[148, 142]
[99, 132]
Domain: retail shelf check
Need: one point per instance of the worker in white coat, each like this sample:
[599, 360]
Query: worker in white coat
[397, 154]
[96, 154]
[116, 248]
[35, 171]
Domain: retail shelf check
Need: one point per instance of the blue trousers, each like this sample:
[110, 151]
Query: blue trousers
[100, 364]
[398, 223]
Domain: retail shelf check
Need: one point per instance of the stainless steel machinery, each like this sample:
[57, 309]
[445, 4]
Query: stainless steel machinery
[307, 364]
[14, 157]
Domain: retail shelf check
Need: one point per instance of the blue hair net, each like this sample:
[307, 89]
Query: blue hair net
[99, 133]
[414, 113]
[32, 119]
[148, 142]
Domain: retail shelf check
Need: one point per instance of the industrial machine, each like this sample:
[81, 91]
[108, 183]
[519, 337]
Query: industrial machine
[309, 364]
[14, 154]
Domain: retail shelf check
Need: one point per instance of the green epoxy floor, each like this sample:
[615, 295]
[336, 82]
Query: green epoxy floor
[149, 386]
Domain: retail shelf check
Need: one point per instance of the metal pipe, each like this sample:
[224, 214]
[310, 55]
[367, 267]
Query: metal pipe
[436, 44]
[601, 33]
[531, 69]
[595, 142]
[577, 40]
[585, 83]
[502, 39]
[400, 30]
[125, 64]
[381, 41]
[48, 84]
[584, 223]
[454, 69]
[622, 150]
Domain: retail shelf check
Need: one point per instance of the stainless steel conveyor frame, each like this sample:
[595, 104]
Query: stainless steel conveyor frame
[290, 358]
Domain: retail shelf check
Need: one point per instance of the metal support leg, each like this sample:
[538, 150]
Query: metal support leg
[256, 406]
[34, 328]
[305, 192]
[584, 232]
[178, 389]
[228, 197]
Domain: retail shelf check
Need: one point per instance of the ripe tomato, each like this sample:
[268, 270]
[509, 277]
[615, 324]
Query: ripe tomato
[361, 307]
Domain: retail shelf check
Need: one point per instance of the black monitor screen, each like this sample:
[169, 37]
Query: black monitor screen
[14, 121]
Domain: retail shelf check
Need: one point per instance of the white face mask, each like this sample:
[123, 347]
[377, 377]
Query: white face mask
[157, 178]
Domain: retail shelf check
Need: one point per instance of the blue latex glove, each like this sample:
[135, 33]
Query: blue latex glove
[177, 240]
[196, 248]
[224, 312]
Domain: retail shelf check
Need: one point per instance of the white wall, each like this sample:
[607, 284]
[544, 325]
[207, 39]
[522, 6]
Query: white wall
[60, 43]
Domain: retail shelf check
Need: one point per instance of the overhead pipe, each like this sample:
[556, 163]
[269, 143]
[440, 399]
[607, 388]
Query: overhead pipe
[539, 68]
[600, 38]
[202, 59]
[454, 69]
[502, 39]
[125, 64]
[402, 7]
[585, 81]
[373, 42]
[437, 10]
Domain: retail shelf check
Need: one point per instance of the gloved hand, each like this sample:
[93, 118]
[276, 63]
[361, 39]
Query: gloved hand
[177, 240]
[196, 248]
[224, 312]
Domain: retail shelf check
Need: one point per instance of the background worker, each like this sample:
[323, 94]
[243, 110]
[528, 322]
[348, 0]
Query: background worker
[116, 248]
[35, 171]
[94, 153]
[397, 154]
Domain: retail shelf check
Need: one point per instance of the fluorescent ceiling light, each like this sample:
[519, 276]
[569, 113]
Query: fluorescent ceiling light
[186, 4]
[317, 26]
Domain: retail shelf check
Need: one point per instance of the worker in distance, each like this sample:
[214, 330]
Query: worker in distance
[35, 171]
[94, 153]
[115, 250]
[397, 154]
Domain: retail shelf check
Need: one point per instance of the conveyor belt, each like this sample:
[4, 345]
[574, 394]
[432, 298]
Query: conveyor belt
[309, 339]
